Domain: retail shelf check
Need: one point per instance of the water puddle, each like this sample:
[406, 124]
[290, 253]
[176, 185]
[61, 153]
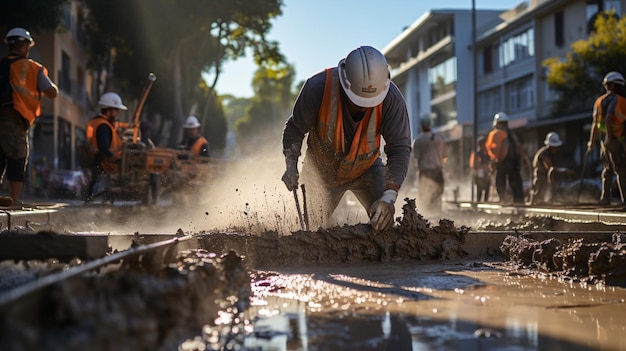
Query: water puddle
[420, 306]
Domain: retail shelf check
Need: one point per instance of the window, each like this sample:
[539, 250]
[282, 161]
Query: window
[488, 59]
[65, 84]
[489, 102]
[521, 94]
[517, 48]
[442, 77]
[559, 29]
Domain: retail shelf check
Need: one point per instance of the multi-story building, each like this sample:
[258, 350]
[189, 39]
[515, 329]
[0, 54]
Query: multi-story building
[431, 63]
[442, 77]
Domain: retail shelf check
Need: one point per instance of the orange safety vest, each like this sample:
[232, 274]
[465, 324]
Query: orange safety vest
[497, 145]
[197, 146]
[327, 139]
[26, 96]
[116, 143]
[617, 112]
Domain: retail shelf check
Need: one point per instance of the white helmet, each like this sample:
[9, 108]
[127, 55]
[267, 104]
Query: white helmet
[500, 117]
[364, 76]
[553, 139]
[111, 100]
[613, 77]
[191, 122]
[20, 34]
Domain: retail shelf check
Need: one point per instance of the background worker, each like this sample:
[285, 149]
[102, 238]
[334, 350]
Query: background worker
[431, 156]
[22, 83]
[605, 108]
[105, 143]
[479, 163]
[545, 174]
[193, 141]
[506, 157]
[345, 110]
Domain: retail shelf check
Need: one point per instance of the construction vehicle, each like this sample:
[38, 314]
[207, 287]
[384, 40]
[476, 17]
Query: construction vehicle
[147, 173]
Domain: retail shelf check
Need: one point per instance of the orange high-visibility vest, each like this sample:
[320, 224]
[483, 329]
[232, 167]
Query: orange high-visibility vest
[26, 96]
[116, 143]
[196, 148]
[328, 139]
[497, 144]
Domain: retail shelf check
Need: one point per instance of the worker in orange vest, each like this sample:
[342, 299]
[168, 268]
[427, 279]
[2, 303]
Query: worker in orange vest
[506, 157]
[23, 82]
[608, 126]
[104, 140]
[193, 140]
[345, 110]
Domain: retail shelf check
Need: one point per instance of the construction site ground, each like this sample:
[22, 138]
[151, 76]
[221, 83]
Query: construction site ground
[485, 277]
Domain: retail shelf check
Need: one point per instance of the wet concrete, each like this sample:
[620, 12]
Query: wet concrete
[413, 287]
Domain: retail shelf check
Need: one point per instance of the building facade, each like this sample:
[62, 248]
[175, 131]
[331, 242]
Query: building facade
[461, 88]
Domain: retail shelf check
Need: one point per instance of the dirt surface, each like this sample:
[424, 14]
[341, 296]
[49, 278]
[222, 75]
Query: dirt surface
[576, 259]
[413, 238]
[411, 287]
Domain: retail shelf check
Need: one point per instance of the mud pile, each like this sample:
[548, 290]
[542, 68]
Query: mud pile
[578, 259]
[412, 238]
[128, 310]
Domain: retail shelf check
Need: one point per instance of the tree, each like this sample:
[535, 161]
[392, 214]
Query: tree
[179, 41]
[270, 106]
[577, 77]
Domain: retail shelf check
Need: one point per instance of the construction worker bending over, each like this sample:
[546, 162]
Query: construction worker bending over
[193, 141]
[105, 143]
[22, 83]
[480, 162]
[345, 110]
[609, 109]
[431, 155]
[506, 156]
[545, 175]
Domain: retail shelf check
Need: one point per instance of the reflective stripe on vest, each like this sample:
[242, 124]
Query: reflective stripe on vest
[26, 96]
[328, 139]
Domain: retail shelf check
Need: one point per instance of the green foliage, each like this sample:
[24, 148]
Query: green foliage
[270, 106]
[179, 41]
[34, 15]
[577, 77]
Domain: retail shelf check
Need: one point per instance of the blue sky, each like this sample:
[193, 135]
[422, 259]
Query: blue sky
[315, 34]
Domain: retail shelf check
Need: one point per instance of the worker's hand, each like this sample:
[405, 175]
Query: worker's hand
[291, 175]
[382, 211]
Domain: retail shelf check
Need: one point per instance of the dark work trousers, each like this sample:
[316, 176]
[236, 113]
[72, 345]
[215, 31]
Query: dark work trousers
[482, 188]
[323, 198]
[96, 174]
[430, 185]
[509, 170]
[616, 153]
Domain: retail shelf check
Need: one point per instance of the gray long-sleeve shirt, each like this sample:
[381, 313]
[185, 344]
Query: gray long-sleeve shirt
[395, 128]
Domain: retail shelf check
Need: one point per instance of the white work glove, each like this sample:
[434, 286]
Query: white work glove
[382, 211]
[291, 175]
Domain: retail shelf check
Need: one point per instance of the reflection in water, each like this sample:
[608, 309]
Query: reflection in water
[427, 309]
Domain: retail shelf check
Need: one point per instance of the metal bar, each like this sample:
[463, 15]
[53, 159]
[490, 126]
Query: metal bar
[48, 280]
[295, 197]
[306, 212]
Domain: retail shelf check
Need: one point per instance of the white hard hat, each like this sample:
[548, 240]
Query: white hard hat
[553, 139]
[191, 122]
[18, 33]
[500, 117]
[364, 76]
[613, 77]
[111, 100]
